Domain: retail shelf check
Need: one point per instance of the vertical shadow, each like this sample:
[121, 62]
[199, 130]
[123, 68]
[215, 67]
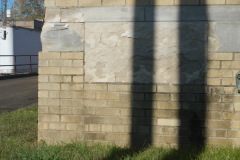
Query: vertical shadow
[193, 35]
[142, 80]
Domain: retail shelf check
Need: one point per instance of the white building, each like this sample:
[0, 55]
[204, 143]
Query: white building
[19, 46]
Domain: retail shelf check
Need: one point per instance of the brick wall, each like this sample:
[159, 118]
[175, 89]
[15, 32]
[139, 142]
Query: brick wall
[77, 101]
[71, 109]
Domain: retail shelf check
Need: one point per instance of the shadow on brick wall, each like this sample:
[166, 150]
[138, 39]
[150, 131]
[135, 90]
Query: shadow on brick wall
[192, 115]
[142, 79]
[192, 79]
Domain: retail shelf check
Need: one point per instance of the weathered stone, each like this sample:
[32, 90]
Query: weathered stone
[112, 49]
[229, 39]
[63, 37]
[101, 14]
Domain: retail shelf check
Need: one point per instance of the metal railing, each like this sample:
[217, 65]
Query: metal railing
[30, 64]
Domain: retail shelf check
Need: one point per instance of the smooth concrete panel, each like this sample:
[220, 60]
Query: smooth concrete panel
[229, 36]
[193, 13]
[63, 37]
[103, 14]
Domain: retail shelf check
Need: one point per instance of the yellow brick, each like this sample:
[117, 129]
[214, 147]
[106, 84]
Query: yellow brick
[49, 70]
[162, 2]
[95, 87]
[89, 2]
[71, 71]
[138, 2]
[214, 115]
[95, 103]
[119, 104]
[107, 128]
[214, 81]
[71, 127]
[49, 3]
[209, 2]
[108, 95]
[48, 118]
[42, 78]
[219, 124]
[72, 87]
[47, 134]
[108, 112]
[42, 125]
[119, 88]
[219, 73]
[66, 3]
[71, 135]
[66, 94]
[57, 126]
[94, 128]
[118, 128]
[54, 110]
[130, 96]
[186, 2]
[71, 102]
[71, 118]
[118, 137]
[229, 90]
[60, 79]
[219, 141]
[77, 63]
[229, 81]
[49, 86]
[237, 56]
[43, 63]
[49, 55]
[48, 102]
[43, 109]
[113, 2]
[54, 94]
[72, 55]
[232, 1]
[233, 133]
[43, 94]
[77, 79]
[84, 95]
[167, 89]
[118, 120]
[220, 56]
[231, 64]
[60, 63]
[213, 64]
[237, 107]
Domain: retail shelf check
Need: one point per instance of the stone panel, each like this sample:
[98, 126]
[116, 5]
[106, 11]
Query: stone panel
[228, 34]
[63, 37]
[110, 47]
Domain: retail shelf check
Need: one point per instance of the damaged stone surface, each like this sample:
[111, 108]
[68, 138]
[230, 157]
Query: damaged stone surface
[116, 53]
[60, 37]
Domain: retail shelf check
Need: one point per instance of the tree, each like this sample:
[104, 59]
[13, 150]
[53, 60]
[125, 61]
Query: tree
[28, 10]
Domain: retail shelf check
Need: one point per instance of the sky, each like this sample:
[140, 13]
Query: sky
[10, 3]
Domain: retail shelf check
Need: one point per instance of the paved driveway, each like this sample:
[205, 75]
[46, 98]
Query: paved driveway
[17, 93]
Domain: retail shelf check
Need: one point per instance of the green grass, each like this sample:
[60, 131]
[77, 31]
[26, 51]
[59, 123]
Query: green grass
[18, 140]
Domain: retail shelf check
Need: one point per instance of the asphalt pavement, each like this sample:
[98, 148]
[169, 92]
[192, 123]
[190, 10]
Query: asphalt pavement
[18, 92]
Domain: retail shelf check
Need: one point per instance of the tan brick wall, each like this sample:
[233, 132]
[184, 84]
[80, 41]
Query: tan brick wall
[70, 109]
[59, 111]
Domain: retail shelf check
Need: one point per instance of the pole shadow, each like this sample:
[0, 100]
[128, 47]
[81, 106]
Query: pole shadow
[192, 77]
[141, 133]
[193, 37]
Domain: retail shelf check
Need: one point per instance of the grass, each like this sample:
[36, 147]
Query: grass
[18, 140]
